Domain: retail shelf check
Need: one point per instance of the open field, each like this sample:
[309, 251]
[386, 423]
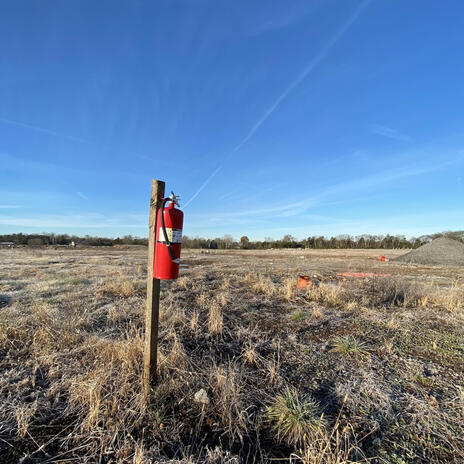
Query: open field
[251, 369]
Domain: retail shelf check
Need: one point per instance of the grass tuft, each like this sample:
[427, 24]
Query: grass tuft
[119, 288]
[349, 345]
[327, 294]
[295, 417]
[215, 318]
[298, 315]
[289, 290]
[263, 285]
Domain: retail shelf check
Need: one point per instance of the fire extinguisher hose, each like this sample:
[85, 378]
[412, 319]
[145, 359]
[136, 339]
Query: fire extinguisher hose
[166, 240]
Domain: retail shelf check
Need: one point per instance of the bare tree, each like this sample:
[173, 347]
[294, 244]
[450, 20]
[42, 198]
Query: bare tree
[228, 241]
[288, 238]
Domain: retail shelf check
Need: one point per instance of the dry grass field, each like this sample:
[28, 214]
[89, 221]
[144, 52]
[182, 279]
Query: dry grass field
[251, 369]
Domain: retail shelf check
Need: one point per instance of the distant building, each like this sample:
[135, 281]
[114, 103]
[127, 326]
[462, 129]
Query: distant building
[7, 244]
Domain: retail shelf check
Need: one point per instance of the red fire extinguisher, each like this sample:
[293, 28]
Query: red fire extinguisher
[168, 239]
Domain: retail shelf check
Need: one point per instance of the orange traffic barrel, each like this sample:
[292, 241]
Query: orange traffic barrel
[304, 281]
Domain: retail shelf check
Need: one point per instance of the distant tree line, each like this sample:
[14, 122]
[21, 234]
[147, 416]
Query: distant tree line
[318, 242]
[51, 239]
[228, 242]
[314, 242]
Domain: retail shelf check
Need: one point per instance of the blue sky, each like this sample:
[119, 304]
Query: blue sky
[267, 117]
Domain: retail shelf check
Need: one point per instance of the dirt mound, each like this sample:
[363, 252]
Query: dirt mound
[442, 251]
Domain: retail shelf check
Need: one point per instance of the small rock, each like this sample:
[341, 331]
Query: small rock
[377, 441]
[430, 370]
[201, 397]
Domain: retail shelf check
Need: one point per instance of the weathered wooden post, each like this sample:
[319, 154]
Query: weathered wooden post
[153, 293]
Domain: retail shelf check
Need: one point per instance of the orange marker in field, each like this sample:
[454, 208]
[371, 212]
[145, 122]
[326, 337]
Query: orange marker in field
[304, 281]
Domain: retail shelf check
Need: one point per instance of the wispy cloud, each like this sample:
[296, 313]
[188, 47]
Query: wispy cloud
[292, 17]
[243, 191]
[259, 212]
[80, 194]
[407, 224]
[231, 193]
[342, 189]
[374, 181]
[313, 63]
[385, 131]
[73, 221]
[10, 206]
[72, 137]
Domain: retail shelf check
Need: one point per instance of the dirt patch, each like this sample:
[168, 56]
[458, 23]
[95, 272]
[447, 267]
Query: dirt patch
[442, 251]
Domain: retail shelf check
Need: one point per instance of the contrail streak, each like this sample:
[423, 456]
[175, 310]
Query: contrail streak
[42, 129]
[69, 137]
[306, 71]
[203, 185]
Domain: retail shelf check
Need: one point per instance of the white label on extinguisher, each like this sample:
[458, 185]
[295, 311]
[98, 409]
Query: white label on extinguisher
[174, 235]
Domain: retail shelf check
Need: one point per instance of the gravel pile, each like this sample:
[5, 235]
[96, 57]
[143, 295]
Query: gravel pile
[442, 251]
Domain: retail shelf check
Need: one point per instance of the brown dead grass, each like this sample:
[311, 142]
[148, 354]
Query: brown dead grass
[117, 288]
[215, 318]
[71, 361]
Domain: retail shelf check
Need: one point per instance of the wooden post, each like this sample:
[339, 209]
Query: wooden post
[153, 293]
